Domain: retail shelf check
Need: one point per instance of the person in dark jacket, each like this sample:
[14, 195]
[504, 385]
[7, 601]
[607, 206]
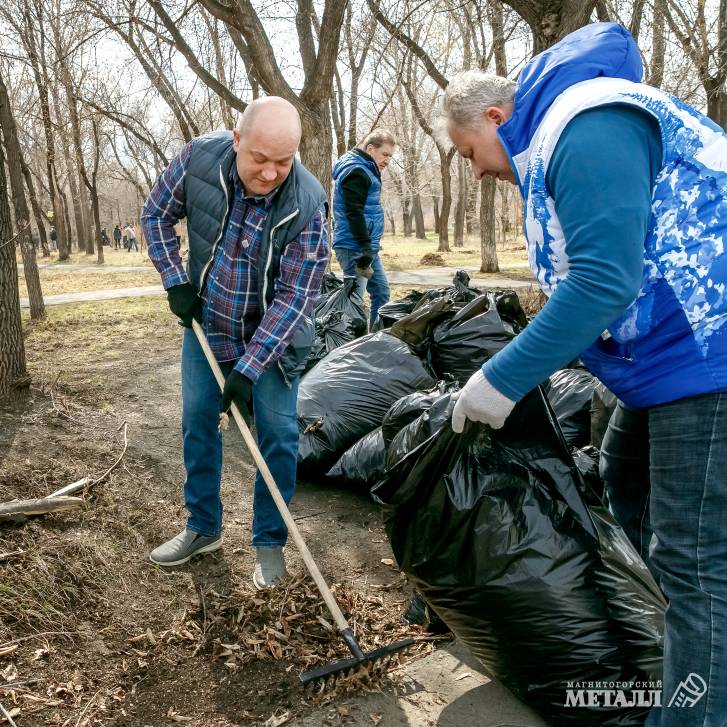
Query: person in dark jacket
[117, 237]
[258, 250]
[358, 214]
[625, 197]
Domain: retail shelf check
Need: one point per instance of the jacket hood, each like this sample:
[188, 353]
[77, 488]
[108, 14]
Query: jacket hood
[354, 158]
[595, 50]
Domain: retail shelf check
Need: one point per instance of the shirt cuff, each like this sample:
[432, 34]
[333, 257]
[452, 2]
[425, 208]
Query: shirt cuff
[174, 276]
[249, 367]
[499, 380]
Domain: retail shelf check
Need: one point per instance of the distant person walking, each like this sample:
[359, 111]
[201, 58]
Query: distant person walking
[117, 237]
[104, 237]
[131, 237]
[53, 238]
[359, 216]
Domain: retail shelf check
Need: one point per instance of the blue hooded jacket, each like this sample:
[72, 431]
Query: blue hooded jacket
[671, 341]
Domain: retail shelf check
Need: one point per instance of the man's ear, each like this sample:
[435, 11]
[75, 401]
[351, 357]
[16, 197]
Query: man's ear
[235, 139]
[495, 115]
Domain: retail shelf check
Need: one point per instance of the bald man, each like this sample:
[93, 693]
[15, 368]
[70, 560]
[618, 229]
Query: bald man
[258, 249]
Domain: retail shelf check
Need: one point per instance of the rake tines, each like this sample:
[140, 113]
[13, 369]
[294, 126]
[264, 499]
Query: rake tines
[368, 663]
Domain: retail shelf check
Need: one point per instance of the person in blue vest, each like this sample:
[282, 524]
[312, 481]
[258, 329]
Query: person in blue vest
[258, 250]
[625, 192]
[359, 217]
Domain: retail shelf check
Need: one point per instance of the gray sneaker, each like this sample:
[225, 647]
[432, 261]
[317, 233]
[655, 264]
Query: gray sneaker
[182, 547]
[269, 568]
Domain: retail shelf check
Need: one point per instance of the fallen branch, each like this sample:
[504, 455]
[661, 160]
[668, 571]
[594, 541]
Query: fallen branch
[73, 487]
[115, 464]
[39, 506]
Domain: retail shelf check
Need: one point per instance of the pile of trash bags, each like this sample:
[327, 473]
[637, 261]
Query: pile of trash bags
[346, 395]
[339, 317]
[503, 534]
[443, 334]
[492, 529]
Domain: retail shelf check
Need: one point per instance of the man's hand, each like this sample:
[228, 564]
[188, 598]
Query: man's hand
[479, 401]
[363, 263]
[238, 388]
[185, 303]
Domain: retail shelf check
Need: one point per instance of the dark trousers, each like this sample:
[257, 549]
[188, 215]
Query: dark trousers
[665, 472]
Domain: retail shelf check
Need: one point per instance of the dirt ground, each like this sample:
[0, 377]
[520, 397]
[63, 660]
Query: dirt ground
[91, 632]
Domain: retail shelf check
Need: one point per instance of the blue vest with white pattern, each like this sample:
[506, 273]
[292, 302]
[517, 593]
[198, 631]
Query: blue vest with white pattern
[671, 342]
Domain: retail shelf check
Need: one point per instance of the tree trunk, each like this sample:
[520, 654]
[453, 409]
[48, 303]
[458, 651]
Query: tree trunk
[435, 208]
[392, 220]
[12, 350]
[20, 205]
[445, 161]
[658, 45]
[418, 215]
[472, 221]
[406, 215]
[551, 21]
[717, 104]
[461, 206]
[65, 223]
[89, 237]
[488, 244]
[316, 144]
[40, 218]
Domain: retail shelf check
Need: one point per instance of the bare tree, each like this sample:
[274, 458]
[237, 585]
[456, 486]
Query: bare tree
[313, 101]
[22, 215]
[709, 58]
[12, 349]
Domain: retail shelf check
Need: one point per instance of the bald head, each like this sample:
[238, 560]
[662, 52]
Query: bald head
[271, 114]
[266, 140]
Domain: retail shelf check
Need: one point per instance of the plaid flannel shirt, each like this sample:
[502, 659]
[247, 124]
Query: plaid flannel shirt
[236, 327]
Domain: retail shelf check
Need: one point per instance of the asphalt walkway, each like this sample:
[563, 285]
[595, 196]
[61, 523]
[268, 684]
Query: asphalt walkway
[434, 277]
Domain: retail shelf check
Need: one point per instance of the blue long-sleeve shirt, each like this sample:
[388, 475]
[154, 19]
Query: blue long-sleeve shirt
[601, 177]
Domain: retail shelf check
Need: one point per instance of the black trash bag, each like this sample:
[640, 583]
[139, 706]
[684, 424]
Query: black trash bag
[410, 407]
[570, 392]
[340, 318]
[587, 460]
[330, 283]
[363, 465]
[392, 311]
[603, 405]
[346, 395]
[477, 332]
[491, 528]
[419, 613]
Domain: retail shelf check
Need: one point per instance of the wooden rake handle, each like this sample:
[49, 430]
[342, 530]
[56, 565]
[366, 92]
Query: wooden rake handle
[310, 564]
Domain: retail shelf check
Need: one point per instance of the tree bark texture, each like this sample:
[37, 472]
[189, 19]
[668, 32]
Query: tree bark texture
[20, 205]
[12, 349]
[488, 236]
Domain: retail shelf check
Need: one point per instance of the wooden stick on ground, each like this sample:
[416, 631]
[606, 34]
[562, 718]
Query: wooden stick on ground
[39, 506]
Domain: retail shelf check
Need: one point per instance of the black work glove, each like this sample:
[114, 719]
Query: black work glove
[185, 303]
[238, 388]
[363, 263]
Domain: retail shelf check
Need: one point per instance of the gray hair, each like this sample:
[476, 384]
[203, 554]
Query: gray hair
[470, 93]
[377, 138]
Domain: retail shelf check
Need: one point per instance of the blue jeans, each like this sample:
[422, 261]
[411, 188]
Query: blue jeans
[274, 404]
[665, 470]
[377, 286]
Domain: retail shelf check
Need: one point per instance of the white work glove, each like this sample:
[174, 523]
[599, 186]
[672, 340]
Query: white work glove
[480, 401]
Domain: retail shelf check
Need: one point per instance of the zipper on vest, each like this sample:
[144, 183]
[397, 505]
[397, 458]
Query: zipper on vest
[265, 282]
[270, 256]
[219, 237]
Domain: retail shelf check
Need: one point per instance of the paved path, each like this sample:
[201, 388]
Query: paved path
[87, 267]
[422, 277]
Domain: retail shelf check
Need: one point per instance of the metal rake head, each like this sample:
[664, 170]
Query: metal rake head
[368, 663]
